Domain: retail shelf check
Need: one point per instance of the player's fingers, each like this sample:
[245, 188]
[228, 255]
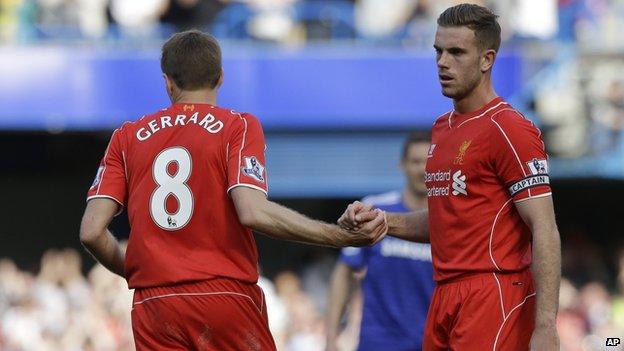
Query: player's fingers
[376, 220]
[375, 229]
[360, 207]
[364, 217]
[352, 211]
[382, 229]
[349, 216]
[344, 221]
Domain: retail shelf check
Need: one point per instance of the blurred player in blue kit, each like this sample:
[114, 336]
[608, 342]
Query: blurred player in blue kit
[398, 281]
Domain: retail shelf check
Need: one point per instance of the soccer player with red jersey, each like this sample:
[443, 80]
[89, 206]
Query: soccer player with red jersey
[494, 240]
[193, 180]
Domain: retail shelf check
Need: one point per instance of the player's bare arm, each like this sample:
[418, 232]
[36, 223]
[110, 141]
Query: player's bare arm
[97, 239]
[255, 211]
[539, 215]
[413, 226]
[342, 284]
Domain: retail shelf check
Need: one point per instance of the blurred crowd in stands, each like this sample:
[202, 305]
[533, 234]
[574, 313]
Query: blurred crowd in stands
[58, 308]
[295, 20]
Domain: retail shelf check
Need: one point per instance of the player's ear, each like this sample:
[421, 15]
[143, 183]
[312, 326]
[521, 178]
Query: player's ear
[487, 60]
[168, 84]
[220, 81]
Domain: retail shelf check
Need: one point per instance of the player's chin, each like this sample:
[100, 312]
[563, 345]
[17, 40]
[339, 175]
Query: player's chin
[449, 92]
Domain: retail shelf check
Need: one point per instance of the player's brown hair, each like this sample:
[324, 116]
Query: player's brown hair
[480, 19]
[414, 138]
[192, 59]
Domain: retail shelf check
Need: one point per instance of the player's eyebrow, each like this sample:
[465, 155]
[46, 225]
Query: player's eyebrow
[456, 50]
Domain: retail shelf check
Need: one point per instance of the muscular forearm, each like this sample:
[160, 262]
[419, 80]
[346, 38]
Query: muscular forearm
[413, 226]
[283, 223]
[546, 269]
[342, 282]
[105, 248]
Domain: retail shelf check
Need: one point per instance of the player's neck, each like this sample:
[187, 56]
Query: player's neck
[480, 96]
[413, 200]
[203, 96]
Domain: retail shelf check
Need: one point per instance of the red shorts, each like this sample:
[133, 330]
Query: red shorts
[217, 314]
[485, 311]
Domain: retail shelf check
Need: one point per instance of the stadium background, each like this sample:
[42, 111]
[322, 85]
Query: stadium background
[337, 85]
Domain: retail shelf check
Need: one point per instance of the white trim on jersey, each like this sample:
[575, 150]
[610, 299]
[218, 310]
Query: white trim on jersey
[500, 329]
[500, 294]
[108, 197]
[240, 151]
[105, 196]
[196, 295]
[481, 115]
[105, 156]
[492, 233]
[248, 186]
[101, 177]
[123, 156]
[510, 144]
[533, 197]
[501, 129]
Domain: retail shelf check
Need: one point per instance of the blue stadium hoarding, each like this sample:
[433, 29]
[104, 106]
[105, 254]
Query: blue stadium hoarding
[320, 88]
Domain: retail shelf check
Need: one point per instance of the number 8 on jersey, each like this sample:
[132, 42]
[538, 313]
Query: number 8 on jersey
[172, 182]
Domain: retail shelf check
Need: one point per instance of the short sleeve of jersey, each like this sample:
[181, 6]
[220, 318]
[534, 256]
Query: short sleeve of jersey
[519, 157]
[110, 179]
[246, 154]
[354, 257]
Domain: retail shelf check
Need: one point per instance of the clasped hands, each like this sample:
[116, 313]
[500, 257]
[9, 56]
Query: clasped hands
[366, 224]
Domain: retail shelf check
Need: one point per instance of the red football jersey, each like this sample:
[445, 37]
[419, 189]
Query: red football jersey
[173, 171]
[480, 164]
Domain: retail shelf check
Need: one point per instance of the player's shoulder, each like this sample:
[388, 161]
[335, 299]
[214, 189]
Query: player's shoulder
[443, 119]
[508, 119]
[231, 116]
[136, 123]
[385, 199]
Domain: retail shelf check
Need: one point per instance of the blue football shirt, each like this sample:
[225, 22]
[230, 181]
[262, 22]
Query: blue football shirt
[397, 287]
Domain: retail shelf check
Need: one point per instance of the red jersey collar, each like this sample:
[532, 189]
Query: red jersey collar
[455, 118]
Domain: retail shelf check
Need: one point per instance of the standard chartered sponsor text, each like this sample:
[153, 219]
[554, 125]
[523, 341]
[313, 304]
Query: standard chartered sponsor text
[438, 176]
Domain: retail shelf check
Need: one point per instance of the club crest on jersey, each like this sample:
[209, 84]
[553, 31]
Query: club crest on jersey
[188, 108]
[538, 166]
[459, 159]
[253, 168]
[98, 177]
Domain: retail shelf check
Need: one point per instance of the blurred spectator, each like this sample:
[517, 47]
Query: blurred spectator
[278, 315]
[138, 18]
[272, 20]
[608, 116]
[59, 309]
[305, 324]
[92, 18]
[191, 14]
[17, 19]
[382, 18]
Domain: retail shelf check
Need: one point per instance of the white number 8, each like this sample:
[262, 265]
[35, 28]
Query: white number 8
[174, 185]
